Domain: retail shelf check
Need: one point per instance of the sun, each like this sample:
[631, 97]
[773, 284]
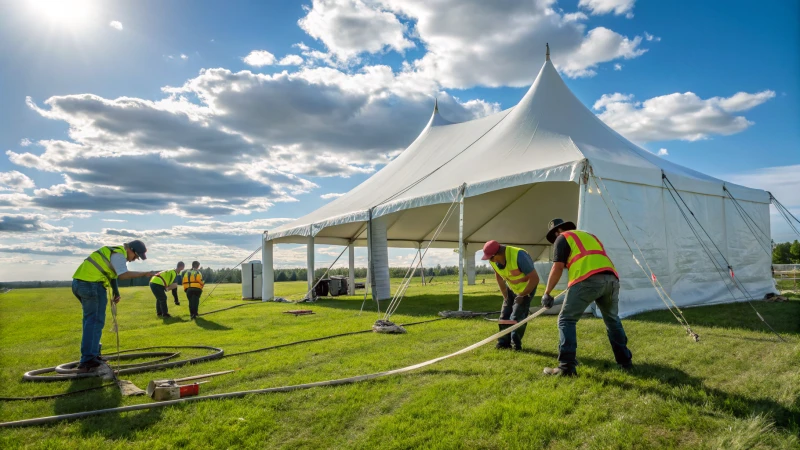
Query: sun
[71, 13]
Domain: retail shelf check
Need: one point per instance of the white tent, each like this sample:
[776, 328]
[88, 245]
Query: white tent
[515, 170]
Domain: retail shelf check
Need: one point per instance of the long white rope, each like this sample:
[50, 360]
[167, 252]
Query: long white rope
[398, 296]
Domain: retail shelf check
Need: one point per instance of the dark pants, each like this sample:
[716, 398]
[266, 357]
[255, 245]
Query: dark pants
[518, 311]
[175, 296]
[193, 294]
[603, 289]
[161, 298]
[93, 298]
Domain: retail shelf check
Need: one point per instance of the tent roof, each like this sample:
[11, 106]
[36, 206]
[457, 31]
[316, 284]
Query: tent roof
[548, 136]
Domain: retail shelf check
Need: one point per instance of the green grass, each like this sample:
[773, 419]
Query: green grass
[736, 388]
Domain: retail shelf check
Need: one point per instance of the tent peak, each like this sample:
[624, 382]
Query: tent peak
[547, 54]
[436, 105]
[436, 118]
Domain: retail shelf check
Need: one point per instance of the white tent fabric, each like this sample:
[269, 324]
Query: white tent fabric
[525, 165]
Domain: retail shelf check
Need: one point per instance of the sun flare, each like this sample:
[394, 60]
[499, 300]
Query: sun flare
[69, 13]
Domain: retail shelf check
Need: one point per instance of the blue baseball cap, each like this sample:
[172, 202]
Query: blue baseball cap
[139, 248]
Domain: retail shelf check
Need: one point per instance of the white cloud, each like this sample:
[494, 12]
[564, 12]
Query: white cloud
[113, 220]
[290, 60]
[15, 181]
[259, 58]
[350, 27]
[184, 57]
[331, 195]
[650, 37]
[242, 143]
[662, 152]
[678, 116]
[475, 42]
[116, 24]
[25, 142]
[26, 223]
[618, 7]
[617, 66]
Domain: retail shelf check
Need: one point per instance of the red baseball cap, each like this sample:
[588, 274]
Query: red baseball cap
[490, 249]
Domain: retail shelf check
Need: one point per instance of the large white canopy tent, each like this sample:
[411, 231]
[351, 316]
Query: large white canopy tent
[515, 170]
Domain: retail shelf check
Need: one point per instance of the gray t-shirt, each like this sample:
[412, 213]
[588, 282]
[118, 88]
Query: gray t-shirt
[119, 262]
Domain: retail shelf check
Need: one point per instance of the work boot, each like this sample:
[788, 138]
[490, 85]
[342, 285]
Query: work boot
[500, 346]
[516, 347]
[166, 316]
[626, 368]
[559, 372]
[88, 366]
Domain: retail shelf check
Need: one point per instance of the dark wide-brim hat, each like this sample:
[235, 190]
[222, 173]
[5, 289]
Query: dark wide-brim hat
[558, 223]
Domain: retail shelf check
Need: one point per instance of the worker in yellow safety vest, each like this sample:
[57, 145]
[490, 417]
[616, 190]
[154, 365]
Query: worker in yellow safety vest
[517, 279]
[592, 278]
[90, 282]
[193, 286]
[161, 283]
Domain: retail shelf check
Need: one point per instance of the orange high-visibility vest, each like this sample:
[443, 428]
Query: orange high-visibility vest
[587, 256]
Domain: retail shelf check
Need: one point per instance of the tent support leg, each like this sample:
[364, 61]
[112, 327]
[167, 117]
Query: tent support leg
[351, 274]
[310, 265]
[421, 267]
[267, 271]
[461, 251]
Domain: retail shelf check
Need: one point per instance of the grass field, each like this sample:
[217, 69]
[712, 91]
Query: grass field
[738, 388]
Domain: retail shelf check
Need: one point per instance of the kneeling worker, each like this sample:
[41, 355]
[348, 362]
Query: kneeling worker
[161, 283]
[592, 278]
[98, 272]
[193, 286]
[513, 269]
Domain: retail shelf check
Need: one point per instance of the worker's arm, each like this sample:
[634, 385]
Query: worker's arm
[115, 290]
[200, 280]
[129, 275]
[171, 287]
[533, 281]
[502, 283]
[555, 276]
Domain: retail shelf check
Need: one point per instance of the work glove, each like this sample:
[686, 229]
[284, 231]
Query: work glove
[547, 301]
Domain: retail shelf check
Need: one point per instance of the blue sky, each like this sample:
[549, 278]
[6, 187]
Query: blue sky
[175, 121]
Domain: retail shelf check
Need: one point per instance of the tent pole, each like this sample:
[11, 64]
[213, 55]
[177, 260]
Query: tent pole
[584, 182]
[461, 250]
[422, 268]
[351, 274]
[310, 265]
[267, 272]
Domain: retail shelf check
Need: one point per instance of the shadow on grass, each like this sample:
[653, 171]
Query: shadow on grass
[210, 325]
[781, 316]
[173, 319]
[421, 305]
[675, 384]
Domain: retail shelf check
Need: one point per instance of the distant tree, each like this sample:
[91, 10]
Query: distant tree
[794, 252]
[282, 277]
[781, 254]
[293, 277]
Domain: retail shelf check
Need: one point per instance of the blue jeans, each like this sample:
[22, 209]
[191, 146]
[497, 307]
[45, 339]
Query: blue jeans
[603, 289]
[93, 298]
[516, 311]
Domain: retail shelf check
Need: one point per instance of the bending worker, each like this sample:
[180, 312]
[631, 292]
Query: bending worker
[513, 269]
[90, 282]
[592, 278]
[161, 283]
[193, 286]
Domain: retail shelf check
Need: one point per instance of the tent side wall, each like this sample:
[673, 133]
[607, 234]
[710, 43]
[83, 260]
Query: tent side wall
[669, 246]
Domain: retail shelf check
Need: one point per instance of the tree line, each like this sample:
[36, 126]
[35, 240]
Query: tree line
[786, 253]
[229, 275]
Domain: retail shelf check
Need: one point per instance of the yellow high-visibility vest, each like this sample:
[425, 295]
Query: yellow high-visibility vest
[587, 256]
[164, 278]
[97, 267]
[193, 279]
[511, 273]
